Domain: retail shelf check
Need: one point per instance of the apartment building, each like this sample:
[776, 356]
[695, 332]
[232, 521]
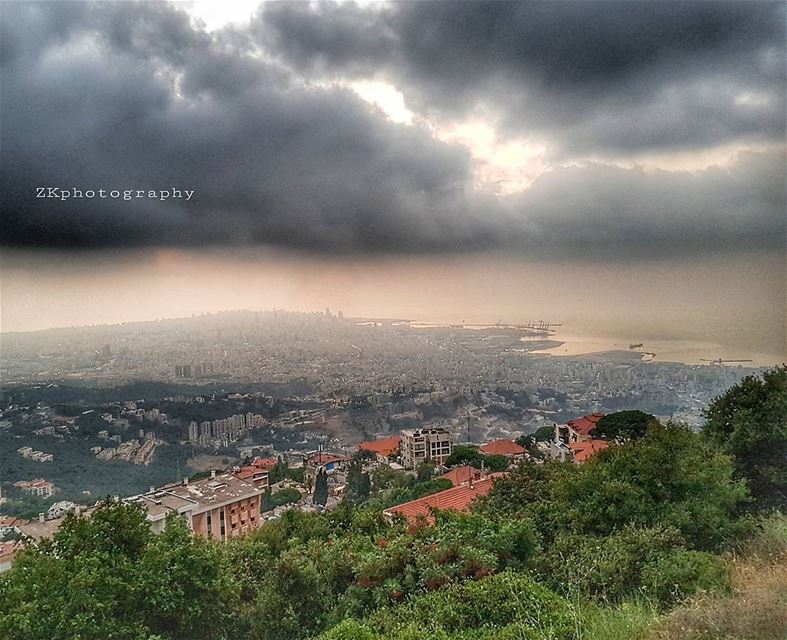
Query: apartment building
[220, 507]
[419, 445]
[39, 487]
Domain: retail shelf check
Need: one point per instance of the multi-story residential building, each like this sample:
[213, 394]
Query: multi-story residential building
[38, 487]
[419, 445]
[220, 507]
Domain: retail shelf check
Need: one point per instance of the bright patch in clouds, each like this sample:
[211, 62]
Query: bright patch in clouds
[505, 166]
[219, 13]
[386, 97]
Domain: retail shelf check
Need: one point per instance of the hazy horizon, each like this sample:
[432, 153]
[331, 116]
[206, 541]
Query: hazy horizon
[430, 160]
[737, 303]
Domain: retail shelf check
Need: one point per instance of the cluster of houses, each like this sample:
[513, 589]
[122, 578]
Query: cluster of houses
[229, 504]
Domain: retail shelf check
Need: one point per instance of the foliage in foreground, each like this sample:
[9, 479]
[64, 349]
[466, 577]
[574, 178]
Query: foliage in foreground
[749, 422]
[555, 551]
[109, 577]
[757, 606]
[508, 605]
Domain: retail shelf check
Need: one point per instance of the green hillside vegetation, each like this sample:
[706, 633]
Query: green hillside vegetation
[655, 538]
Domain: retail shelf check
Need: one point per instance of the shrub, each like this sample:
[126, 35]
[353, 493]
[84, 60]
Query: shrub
[680, 573]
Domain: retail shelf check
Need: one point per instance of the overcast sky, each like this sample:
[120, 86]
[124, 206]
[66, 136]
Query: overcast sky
[615, 134]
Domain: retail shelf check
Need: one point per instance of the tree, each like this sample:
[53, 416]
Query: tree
[183, 588]
[107, 576]
[624, 425]
[671, 477]
[359, 485]
[463, 454]
[750, 423]
[495, 463]
[321, 488]
[425, 472]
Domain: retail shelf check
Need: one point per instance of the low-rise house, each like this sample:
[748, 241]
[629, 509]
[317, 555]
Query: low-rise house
[61, 508]
[583, 451]
[383, 448]
[503, 447]
[463, 475]
[578, 429]
[454, 499]
[8, 551]
[251, 473]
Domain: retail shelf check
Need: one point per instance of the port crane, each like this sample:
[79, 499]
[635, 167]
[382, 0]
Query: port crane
[719, 361]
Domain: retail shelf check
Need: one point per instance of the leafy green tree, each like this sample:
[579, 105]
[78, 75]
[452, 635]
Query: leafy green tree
[508, 605]
[624, 425]
[281, 497]
[321, 488]
[495, 463]
[425, 472]
[359, 484]
[749, 422]
[182, 586]
[108, 576]
[463, 454]
[670, 477]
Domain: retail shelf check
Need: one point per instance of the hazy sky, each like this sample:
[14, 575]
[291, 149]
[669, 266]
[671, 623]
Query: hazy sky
[617, 161]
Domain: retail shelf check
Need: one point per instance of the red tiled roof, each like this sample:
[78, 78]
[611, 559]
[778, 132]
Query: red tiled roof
[326, 458]
[246, 473]
[266, 464]
[460, 475]
[8, 550]
[11, 521]
[585, 424]
[502, 447]
[453, 499]
[585, 450]
[383, 447]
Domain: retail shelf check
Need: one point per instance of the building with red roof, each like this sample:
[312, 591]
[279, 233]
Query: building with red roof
[454, 499]
[382, 448]
[583, 451]
[264, 464]
[578, 429]
[502, 447]
[8, 551]
[463, 474]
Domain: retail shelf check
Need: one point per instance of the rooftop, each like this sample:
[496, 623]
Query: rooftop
[454, 499]
[425, 431]
[585, 450]
[461, 475]
[197, 496]
[585, 424]
[502, 447]
[382, 447]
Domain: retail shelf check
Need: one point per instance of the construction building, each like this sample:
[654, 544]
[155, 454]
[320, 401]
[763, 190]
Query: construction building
[421, 445]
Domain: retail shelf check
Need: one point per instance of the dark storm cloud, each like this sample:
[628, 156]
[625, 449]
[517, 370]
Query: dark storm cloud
[591, 76]
[129, 96]
[134, 96]
[632, 213]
